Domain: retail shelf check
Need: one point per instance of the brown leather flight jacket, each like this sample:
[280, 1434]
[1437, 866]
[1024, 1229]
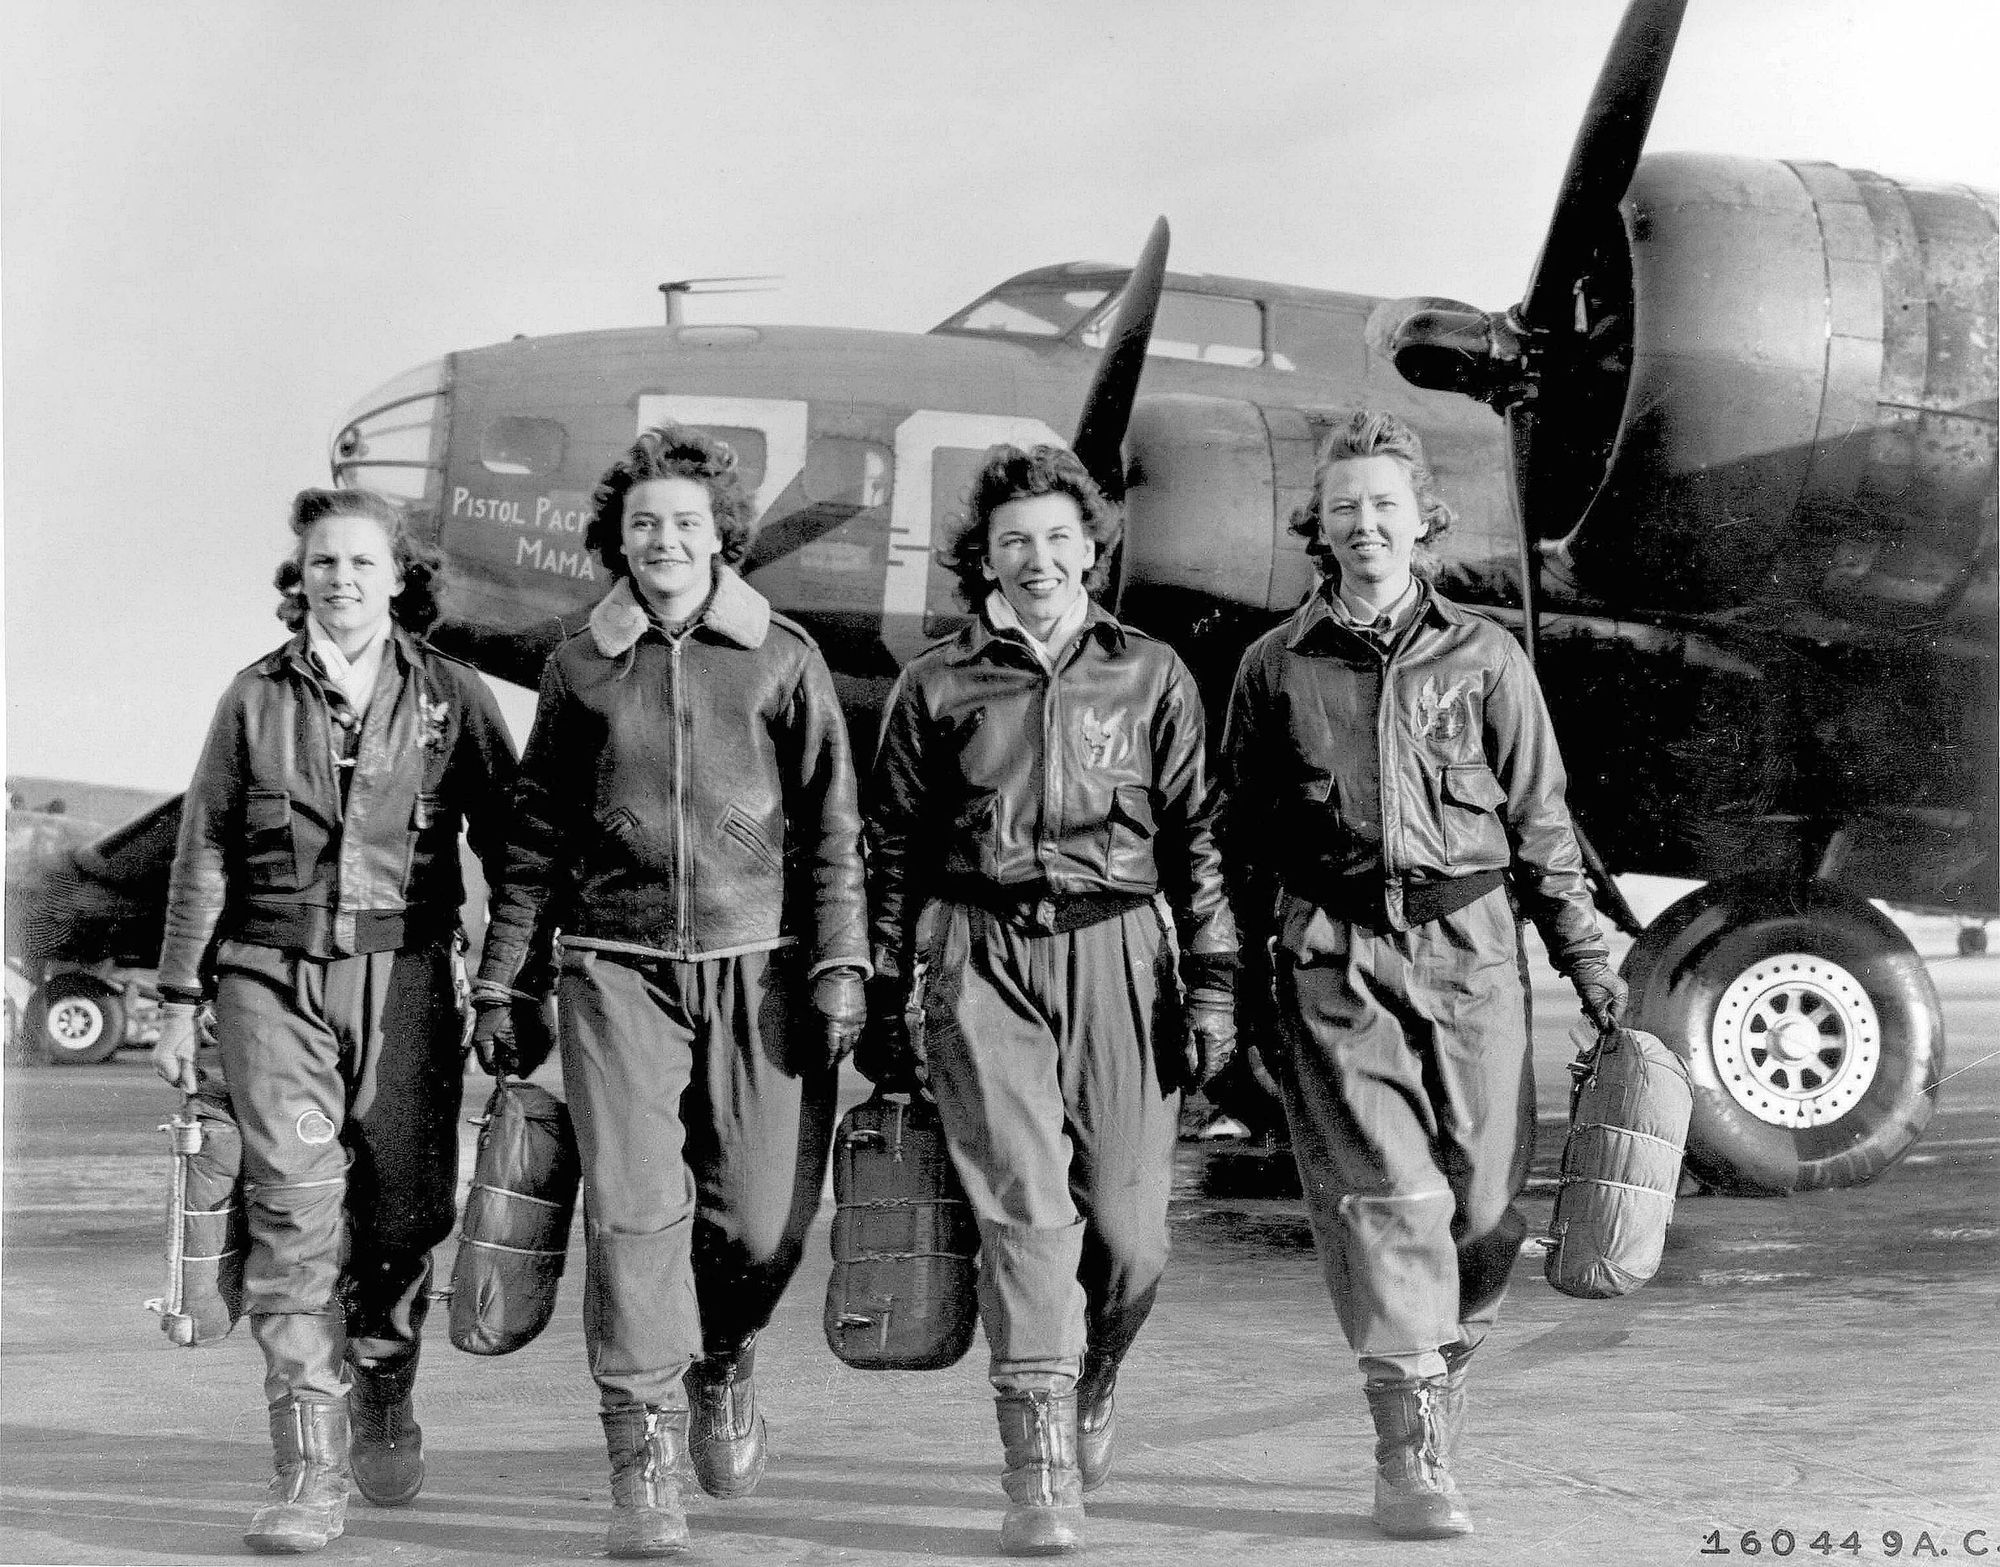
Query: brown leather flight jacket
[1000, 784]
[1390, 788]
[688, 799]
[275, 850]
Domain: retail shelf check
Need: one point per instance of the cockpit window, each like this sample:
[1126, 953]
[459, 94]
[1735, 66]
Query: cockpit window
[1031, 310]
[1212, 328]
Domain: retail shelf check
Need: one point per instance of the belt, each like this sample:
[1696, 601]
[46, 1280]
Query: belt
[1041, 911]
[1361, 900]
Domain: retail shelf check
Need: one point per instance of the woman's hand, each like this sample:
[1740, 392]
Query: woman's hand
[173, 1051]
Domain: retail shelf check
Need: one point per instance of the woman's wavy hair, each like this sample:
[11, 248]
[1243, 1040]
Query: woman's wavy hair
[1012, 474]
[670, 451]
[416, 609]
[1372, 433]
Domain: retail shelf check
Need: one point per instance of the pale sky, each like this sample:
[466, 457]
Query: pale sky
[221, 224]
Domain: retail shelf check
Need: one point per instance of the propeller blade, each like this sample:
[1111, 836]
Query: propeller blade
[1606, 153]
[1107, 407]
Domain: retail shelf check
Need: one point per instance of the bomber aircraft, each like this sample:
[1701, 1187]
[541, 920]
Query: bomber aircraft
[1728, 468]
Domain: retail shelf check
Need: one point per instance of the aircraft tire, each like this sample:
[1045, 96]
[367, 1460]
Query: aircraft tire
[1811, 1029]
[74, 1021]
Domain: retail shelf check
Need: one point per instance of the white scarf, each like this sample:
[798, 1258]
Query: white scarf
[354, 677]
[1001, 616]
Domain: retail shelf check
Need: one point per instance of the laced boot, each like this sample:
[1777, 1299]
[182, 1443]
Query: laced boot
[387, 1457]
[1043, 1484]
[645, 1444]
[725, 1436]
[308, 1500]
[1096, 1418]
[1415, 1495]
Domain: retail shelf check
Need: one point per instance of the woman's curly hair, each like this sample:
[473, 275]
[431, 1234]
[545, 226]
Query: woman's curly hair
[416, 608]
[670, 451]
[1371, 433]
[1012, 474]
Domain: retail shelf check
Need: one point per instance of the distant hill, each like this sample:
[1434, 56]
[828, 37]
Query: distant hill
[106, 803]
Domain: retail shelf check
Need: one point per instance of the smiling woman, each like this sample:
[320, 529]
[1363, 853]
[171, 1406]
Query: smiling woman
[313, 903]
[687, 811]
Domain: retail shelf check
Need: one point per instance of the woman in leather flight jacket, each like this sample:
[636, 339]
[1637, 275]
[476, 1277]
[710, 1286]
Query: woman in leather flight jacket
[687, 812]
[315, 896]
[1392, 791]
[1040, 783]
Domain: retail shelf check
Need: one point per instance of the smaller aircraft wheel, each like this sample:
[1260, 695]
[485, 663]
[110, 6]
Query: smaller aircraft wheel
[75, 1020]
[1971, 940]
[1811, 1029]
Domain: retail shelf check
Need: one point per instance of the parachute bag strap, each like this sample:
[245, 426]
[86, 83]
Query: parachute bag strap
[1590, 1050]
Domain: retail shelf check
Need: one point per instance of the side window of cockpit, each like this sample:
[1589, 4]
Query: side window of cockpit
[1318, 341]
[520, 444]
[1211, 328]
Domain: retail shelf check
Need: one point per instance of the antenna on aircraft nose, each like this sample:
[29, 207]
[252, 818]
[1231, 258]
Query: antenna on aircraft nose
[678, 290]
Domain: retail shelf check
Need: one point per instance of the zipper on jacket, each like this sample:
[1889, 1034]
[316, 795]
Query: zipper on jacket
[1052, 774]
[682, 724]
[1385, 716]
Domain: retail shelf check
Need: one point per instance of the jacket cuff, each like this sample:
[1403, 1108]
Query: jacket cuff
[860, 966]
[1211, 971]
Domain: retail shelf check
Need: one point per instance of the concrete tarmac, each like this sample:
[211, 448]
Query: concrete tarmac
[1815, 1376]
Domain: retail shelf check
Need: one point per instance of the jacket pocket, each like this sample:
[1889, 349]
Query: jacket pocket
[1471, 799]
[271, 856]
[619, 828]
[970, 850]
[1306, 821]
[736, 823]
[425, 812]
[1128, 835]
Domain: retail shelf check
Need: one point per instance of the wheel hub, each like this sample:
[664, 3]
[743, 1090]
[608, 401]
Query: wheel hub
[1796, 1040]
[75, 1023]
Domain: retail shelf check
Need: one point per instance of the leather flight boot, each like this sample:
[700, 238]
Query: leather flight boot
[645, 1443]
[725, 1435]
[1415, 1495]
[1043, 1483]
[1096, 1419]
[387, 1455]
[308, 1499]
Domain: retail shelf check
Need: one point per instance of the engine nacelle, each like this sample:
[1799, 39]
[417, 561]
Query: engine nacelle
[1810, 410]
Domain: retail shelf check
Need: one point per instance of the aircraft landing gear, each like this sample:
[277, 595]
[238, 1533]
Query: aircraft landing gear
[1810, 1026]
[74, 1020]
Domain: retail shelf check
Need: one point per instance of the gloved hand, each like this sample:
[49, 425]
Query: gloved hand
[842, 1003]
[1211, 1036]
[886, 1056]
[1257, 1008]
[510, 1035]
[173, 1051]
[1602, 993]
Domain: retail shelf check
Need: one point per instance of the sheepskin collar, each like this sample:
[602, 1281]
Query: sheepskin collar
[736, 611]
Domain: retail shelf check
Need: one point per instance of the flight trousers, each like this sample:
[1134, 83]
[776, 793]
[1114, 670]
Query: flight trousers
[346, 1078]
[1410, 1092]
[703, 1106]
[1055, 1062]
